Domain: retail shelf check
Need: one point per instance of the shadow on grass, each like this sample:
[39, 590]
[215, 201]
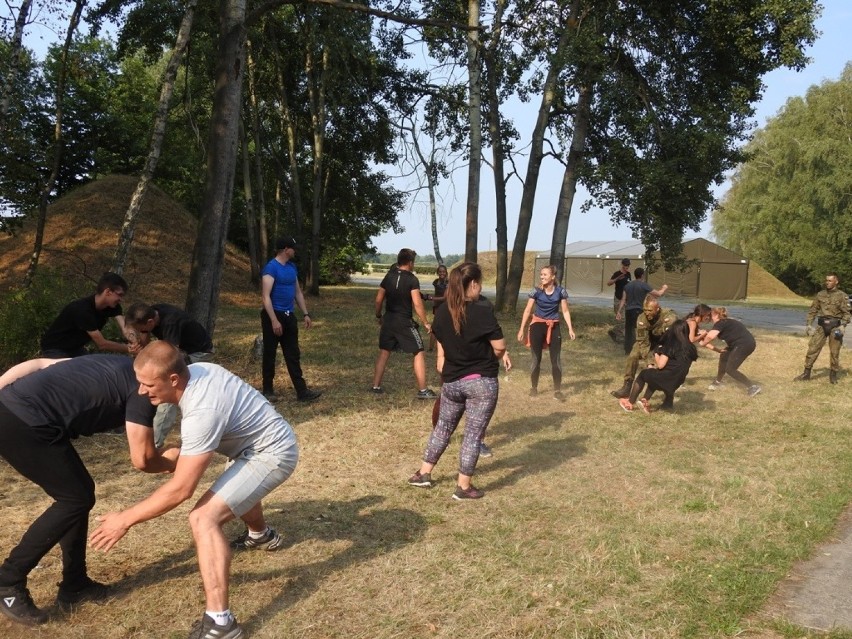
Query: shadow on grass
[540, 456]
[370, 534]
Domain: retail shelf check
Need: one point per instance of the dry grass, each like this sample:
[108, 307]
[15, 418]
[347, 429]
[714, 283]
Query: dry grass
[595, 524]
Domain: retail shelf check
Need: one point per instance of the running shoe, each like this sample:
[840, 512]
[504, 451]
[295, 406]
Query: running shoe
[423, 480]
[753, 390]
[471, 493]
[271, 540]
[206, 628]
[625, 404]
[377, 390]
[485, 450]
[427, 393]
[309, 395]
[715, 385]
[646, 405]
[559, 396]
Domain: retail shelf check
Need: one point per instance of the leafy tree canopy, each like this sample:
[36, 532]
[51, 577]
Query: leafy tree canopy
[789, 205]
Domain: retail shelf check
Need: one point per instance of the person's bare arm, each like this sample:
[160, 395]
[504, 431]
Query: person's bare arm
[113, 526]
[300, 302]
[25, 368]
[144, 455]
[380, 299]
[108, 345]
[419, 309]
[524, 318]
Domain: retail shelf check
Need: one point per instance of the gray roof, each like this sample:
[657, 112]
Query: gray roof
[603, 249]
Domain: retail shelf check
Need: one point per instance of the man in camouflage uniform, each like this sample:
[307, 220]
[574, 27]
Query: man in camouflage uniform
[651, 325]
[831, 310]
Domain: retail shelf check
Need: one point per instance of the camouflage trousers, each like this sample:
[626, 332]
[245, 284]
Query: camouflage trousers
[818, 340]
[638, 354]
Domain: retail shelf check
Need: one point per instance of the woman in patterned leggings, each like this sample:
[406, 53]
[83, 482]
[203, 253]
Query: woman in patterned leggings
[470, 348]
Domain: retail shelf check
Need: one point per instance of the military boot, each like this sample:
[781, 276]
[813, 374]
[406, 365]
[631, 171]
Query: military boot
[805, 376]
[832, 377]
[624, 391]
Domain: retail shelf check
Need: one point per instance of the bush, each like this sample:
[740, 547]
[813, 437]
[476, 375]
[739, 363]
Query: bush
[25, 314]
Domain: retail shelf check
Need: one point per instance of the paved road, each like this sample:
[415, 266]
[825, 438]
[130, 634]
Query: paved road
[776, 319]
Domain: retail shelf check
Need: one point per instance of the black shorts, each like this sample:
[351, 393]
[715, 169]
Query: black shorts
[400, 337]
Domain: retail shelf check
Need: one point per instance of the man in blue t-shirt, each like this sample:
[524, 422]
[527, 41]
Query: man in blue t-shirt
[281, 293]
[44, 405]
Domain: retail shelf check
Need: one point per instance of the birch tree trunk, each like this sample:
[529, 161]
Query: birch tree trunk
[475, 118]
[15, 48]
[125, 239]
[50, 182]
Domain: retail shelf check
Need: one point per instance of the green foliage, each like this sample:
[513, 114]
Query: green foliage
[336, 267]
[788, 207]
[25, 314]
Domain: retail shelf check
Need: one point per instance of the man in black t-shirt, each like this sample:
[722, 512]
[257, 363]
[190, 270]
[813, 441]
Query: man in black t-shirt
[399, 292]
[178, 328]
[619, 279]
[44, 404]
[82, 321]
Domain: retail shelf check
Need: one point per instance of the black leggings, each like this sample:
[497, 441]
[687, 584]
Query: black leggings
[731, 359]
[538, 335]
[59, 471]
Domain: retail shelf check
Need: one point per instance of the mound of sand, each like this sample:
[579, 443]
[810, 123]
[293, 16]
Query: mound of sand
[81, 235]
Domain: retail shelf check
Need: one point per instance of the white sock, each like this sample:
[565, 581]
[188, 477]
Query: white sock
[258, 535]
[221, 618]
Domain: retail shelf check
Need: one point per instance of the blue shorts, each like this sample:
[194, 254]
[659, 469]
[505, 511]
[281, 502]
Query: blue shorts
[252, 476]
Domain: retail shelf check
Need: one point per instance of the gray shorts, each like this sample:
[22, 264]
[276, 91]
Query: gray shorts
[252, 476]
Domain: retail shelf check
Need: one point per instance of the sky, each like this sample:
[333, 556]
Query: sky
[829, 56]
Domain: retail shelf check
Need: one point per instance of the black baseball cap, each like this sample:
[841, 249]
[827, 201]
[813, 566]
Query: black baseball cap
[285, 243]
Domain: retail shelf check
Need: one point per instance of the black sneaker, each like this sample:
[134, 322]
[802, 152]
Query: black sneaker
[471, 493]
[270, 396]
[423, 480]
[271, 540]
[93, 591]
[559, 396]
[377, 390]
[533, 392]
[16, 603]
[206, 628]
[485, 450]
[427, 393]
[309, 395]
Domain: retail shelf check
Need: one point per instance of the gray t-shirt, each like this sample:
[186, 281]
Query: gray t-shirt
[635, 294]
[220, 412]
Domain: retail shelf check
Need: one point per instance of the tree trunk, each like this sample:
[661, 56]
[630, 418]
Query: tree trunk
[316, 90]
[260, 202]
[495, 128]
[125, 239]
[475, 118]
[47, 186]
[251, 219]
[206, 275]
[15, 48]
[569, 182]
[516, 266]
[288, 128]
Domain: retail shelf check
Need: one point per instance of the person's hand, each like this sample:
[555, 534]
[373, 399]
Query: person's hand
[308, 322]
[507, 362]
[571, 333]
[521, 336]
[618, 315]
[111, 529]
[277, 328]
[809, 330]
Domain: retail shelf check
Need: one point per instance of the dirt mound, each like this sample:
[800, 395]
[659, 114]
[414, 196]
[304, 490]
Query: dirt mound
[487, 261]
[81, 235]
[762, 284]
